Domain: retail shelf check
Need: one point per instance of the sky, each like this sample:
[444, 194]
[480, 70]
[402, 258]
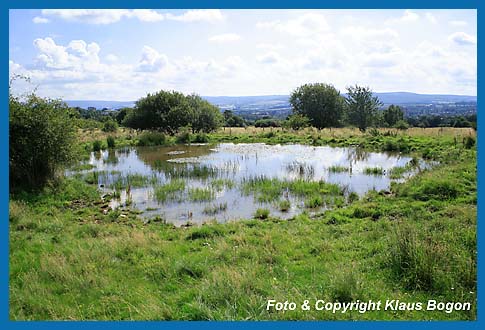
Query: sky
[111, 54]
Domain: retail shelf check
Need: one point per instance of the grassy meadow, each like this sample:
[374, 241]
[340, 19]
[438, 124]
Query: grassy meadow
[70, 259]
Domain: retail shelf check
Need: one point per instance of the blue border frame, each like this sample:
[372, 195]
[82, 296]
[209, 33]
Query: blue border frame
[5, 323]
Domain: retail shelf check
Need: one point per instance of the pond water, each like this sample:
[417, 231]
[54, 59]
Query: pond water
[224, 182]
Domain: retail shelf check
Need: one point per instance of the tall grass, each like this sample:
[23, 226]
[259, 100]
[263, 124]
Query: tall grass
[169, 191]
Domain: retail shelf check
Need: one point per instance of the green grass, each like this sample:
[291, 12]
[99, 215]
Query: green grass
[338, 169]
[261, 214]
[201, 194]
[214, 209]
[373, 171]
[69, 261]
[169, 191]
[284, 205]
[221, 184]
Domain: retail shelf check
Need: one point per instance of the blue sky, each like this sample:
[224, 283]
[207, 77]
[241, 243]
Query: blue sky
[124, 54]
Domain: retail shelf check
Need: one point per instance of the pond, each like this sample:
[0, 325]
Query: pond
[199, 183]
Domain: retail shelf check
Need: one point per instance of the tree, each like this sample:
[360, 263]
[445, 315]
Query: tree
[392, 115]
[170, 111]
[152, 111]
[232, 120]
[362, 107]
[321, 103]
[207, 117]
[41, 140]
[297, 121]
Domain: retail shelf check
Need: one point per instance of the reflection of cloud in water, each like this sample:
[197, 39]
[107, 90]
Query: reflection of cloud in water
[236, 162]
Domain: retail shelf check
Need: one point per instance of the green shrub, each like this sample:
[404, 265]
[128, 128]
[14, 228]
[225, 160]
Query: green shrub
[401, 124]
[110, 126]
[284, 205]
[110, 141]
[261, 214]
[314, 202]
[151, 138]
[96, 146]
[469, 142]
[41, 140]
[183, 136]
[201, 138]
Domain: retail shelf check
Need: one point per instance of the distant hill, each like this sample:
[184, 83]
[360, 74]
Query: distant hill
[279, 106]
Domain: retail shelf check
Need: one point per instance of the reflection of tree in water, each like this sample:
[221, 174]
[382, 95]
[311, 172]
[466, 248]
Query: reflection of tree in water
[355, 155]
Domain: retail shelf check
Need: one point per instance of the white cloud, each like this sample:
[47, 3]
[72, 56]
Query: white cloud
[151, 60]
[430, 17]
[458, 23]
[463, 39]
[407, 17]
[198, 15]
[52, 55]
[40, 20]
[111, 58]
[302, 26]
[91, 16]
[103, 16]
[226, 37]
[146, 15]
[269, 58]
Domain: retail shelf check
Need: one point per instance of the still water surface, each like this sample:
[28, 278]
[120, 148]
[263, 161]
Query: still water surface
[235, 163]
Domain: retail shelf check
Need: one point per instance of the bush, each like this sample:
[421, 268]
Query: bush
[41, 140]
[401, 124]
[261, 214]
[96, 146]
[201, 138]
[151, 139]
[469, 142]
[110, 126]
[110, 141]
[183, 136]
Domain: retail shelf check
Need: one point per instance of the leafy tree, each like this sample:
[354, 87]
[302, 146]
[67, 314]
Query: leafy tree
[362, 107]
[41, 140]
[152, 111]
[321, 103]
[392, 115]
[169, 111]
[232, 120]
[206, 117]
[297, 121]
[121, 114]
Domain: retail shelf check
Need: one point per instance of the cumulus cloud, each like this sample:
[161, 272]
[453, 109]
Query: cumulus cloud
[40, 20]
[226, 37]
[151, 60]
[463, 39]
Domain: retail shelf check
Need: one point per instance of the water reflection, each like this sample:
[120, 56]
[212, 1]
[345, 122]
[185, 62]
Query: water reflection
[207, 180]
